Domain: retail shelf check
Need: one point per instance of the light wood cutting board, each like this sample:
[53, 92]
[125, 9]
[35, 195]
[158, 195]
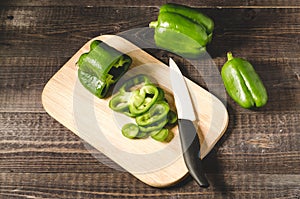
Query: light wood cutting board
[154, 163]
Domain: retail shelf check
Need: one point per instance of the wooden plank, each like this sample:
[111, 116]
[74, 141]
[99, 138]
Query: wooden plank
[122, 185]
[22, 81]
[140, 3]
[35, 145]
[31, 29]
[22, 85]
[273, 49]
[254, 142]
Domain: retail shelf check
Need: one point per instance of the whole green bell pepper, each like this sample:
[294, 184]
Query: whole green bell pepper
[191, 14]
[243, 83]
[101, 67]
[182, 30]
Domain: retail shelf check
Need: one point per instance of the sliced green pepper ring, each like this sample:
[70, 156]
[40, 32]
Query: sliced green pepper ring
[148, 93]
[134, 82]
[154, 126]
[161, 94]
[136, 98]
[120, 101]
[172, 117]
[130, 130]
[142, 135]
[160, 135]
[157, 112]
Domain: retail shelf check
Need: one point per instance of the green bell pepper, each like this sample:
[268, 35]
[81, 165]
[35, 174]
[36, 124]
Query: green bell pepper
[101, 67]
[191, 14]
[243, 83]
[182, 30]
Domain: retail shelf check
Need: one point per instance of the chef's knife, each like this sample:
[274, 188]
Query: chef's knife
[188, 135]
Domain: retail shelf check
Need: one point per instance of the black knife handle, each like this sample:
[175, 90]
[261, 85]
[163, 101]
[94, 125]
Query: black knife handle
[191, 151]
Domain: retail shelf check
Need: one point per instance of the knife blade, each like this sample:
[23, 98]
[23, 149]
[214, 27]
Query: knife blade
[188, 135]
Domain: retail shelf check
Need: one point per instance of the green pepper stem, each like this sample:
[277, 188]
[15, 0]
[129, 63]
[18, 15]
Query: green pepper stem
[153, 24]
[229, 56]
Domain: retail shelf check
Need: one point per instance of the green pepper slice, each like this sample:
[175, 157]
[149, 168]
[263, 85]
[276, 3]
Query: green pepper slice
[243, 83]
[135, 102]
[134, 82]
[101, 67]
[172, 117]
[130, 130]
[154, 126]
[120, 102]
[161, 94]
[142, 135]
[141, 100]
[159, 111]
[160, 135]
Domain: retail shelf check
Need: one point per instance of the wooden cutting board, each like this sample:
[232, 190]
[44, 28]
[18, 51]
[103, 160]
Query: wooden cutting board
[154, 163]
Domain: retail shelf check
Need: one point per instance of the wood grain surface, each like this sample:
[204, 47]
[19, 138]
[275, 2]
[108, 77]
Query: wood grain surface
[258, 156]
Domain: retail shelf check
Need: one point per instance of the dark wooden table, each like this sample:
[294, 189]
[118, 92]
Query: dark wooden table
[258, 157]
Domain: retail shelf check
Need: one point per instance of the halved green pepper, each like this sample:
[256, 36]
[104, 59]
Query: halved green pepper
[242, 83]
[182, 30]
[101, 67]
